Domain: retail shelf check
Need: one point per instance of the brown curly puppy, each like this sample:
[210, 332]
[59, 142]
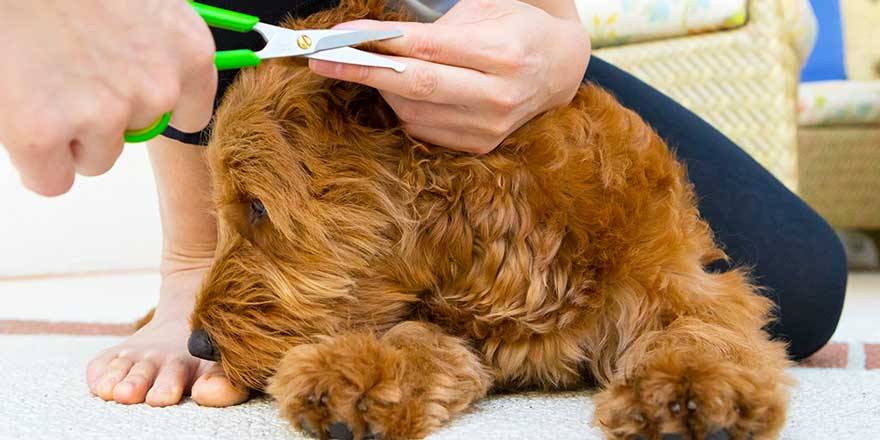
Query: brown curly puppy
[377, 286]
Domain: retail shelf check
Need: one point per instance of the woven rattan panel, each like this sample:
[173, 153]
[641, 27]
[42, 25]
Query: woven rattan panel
[743, 82]
[840, 173]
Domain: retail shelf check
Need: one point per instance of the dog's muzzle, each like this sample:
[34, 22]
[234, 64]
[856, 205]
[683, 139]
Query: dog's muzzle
[201, 346]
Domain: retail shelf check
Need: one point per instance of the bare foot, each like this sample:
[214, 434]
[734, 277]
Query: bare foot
[154, 366]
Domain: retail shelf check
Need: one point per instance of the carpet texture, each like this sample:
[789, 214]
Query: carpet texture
[43, 396]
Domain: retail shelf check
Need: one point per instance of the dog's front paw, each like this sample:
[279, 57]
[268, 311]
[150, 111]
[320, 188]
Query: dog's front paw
[690, 397]
[352, 387]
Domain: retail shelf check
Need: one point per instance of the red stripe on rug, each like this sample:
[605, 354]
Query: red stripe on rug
[872, 356]
[833, 355]
[16, 327]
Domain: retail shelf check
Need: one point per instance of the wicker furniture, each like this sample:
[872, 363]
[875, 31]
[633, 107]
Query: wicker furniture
[839, 158]
[742, 81]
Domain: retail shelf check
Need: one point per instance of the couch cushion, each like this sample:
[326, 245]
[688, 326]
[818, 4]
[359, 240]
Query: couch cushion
[839, 102]
[615, 22]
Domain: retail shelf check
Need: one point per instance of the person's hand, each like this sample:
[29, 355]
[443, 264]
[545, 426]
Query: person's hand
[77, 74]
[477, 74]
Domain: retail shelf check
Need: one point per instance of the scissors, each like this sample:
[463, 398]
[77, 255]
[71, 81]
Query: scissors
[322, 44]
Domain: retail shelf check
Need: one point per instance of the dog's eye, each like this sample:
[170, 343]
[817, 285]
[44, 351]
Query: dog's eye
[258, 211]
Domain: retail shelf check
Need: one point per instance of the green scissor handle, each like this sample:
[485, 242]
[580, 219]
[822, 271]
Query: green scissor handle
[155, 129]
[224, 19]
[231, 21]
[224, 60]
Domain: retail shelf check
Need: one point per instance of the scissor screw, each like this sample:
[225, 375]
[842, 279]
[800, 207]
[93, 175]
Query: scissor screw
[304, 42]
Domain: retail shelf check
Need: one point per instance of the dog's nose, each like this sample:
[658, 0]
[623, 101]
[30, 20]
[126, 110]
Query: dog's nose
[201, 346]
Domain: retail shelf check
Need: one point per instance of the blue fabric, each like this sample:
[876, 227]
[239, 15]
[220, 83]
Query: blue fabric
[826, 63]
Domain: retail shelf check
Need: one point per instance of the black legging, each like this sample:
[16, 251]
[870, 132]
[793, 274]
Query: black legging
[762, 225]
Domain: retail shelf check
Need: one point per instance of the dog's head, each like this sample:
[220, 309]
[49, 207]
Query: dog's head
[297, 171]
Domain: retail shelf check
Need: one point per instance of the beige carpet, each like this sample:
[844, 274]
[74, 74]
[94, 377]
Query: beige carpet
[43, 393]
[43, 396]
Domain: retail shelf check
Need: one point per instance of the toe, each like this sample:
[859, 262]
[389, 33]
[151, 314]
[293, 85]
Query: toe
[214, 389]
[133, 389]
[97, 367]
[115, 371]
[170, 382]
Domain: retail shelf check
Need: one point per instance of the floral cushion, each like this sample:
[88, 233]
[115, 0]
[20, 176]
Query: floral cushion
[616, 22]
[839, 103]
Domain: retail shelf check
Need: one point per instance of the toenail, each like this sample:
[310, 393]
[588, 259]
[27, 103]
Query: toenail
[675, 407]
[719, 435]
[672, 437]
[324, 399]
[111, 378]
[639, 418]
[692, 405]
[340, 431]
[164, 390]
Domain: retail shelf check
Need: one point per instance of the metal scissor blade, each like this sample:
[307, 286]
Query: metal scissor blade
[353, 38]
[350, 55]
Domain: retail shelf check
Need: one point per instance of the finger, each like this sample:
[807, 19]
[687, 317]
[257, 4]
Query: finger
[198, 83]
[214, 389]
[153, 102]
[444, 116]
[453, 139]
[169, 385]
[421, 81]
[101, 140]
[133, 389]
[45, 167]
[453, 45]
[198, 90]
[117, 369]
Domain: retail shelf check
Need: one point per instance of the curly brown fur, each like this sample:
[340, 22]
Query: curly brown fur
[392, 283]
